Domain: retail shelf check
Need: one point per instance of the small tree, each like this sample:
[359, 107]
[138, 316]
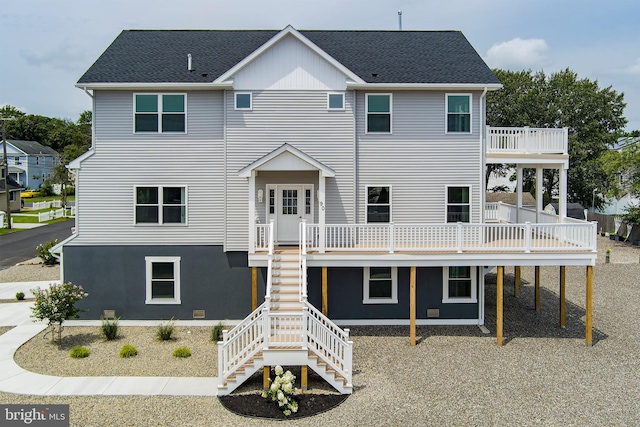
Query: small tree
[57, 304]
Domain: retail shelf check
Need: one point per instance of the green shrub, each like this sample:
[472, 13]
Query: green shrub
[44, 254]
[182, 352]
[216, 332]
[109, 328]
[127, 351]
[20, 296]
[165, 330]
[79, 352]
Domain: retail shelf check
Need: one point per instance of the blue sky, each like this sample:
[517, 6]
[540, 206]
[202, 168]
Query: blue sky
[47, 45]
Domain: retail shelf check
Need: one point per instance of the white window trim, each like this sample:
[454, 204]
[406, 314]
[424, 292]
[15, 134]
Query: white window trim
[394, 288]
[160, 204]
[335, 109]
[445, 288]
[366, 204]
[160, 112]
[446, 201]
[176, 279]
[366, 114]
[235, 101]
[446, 113]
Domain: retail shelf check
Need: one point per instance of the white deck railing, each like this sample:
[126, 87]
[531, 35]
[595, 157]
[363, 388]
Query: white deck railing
[329, 342]
[458, 237]
[527, 140]
[241, 343]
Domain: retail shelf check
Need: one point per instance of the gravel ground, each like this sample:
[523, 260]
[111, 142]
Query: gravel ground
[154, 357]
[4, 329]
[30, 271]
[544, 375]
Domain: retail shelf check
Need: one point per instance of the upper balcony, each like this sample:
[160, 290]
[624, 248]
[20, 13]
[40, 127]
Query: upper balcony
[527, 145]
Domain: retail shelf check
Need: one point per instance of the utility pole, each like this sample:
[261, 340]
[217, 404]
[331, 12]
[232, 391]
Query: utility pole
[5, 162]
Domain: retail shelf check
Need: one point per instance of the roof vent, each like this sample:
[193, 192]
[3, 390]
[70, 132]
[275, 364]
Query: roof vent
[374, 74]
[189, 62]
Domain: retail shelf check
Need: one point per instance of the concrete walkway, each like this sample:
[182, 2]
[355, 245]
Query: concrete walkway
[14, 379]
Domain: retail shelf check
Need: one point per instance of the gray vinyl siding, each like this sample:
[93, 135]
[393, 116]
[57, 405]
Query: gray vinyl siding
[419, 159]
[123, 160]
[302, 120]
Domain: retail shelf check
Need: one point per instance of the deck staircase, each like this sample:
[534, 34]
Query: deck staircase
[285, 330]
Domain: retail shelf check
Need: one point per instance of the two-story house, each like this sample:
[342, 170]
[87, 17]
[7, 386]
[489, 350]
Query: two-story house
[30, 162]
[301, 180]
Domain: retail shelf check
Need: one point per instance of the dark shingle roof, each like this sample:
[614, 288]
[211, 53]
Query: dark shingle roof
[33, 147]
[160, 56]
[13, 185]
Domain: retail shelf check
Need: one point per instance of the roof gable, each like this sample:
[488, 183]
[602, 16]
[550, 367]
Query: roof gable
[33, 148]
[288, 34]
[286, 157]
[384, 57]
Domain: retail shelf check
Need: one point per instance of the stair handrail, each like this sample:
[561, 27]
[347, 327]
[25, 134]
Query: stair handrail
[248, 333]
[267, 297]
[302, 262]
[339, 358]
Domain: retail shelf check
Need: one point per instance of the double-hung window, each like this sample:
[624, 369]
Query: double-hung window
[378, 204]
[160, 205]
[163, 280]
[161, 113]
[459, 285]
[458, 204]
[379, 112]
[380, 285]
[458, 113]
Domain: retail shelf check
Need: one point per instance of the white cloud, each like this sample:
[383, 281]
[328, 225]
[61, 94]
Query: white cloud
[633, 69]
[518, 54]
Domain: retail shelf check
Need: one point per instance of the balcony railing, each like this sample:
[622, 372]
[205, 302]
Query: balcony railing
[525, 140]
[457, 238]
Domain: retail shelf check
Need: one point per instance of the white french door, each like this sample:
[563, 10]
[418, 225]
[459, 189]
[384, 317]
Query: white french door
[293, 203]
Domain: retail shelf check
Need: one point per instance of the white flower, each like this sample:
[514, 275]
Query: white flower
[274, 386]
[280, 396]
[279, 370]
[288, 388]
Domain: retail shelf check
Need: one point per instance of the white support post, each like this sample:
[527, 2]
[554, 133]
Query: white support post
[527, 237]
[539, 196]
[526, 139]
[321, 213]
[391, 238]
[252, 212]
[459, 237]
[518, 192]
[562, 194]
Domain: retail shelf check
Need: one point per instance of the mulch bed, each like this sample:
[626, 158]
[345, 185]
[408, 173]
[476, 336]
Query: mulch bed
[254, 405]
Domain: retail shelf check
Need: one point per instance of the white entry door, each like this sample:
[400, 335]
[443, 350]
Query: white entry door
[294, 205]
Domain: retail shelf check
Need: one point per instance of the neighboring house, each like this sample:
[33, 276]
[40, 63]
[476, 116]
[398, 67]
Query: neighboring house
[302, 174]
[30, 162]
[14, 195]
[620, 205]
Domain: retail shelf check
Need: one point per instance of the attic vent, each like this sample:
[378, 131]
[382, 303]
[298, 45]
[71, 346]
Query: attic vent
[374, 74]
[189, 62]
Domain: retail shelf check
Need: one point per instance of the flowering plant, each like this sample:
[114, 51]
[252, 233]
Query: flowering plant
[281, 390]
[44, 254]
[57, 304]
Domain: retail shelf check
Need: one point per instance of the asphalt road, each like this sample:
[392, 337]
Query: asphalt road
[21, 245]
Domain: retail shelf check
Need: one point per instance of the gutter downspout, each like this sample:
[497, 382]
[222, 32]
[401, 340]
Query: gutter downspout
[483, 191]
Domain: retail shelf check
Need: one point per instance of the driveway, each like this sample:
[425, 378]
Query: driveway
[21, 246]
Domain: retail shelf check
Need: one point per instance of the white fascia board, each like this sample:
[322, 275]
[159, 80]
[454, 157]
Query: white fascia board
[288, 30]
[423, 86]
[57, 249]
[77, 162]
[154, 86]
